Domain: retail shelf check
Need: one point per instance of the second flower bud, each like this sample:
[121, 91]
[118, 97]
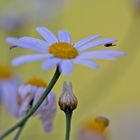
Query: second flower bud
[67, 100]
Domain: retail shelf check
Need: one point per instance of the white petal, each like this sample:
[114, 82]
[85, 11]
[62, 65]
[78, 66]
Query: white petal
[25, 106]
[47, 35]
[66, 67]
[110, 52]
[96, 56]
[38, 93]
[25, 90]
[49, 112]
[64, 36]
[50, 63]
[29, 43]
[102, 54]
[92, 55]
[51, 106]
[96, 43]
[85, 134]
[40, 44]
[88, 63]
[47, 125]
[8, 95]
[85, 40]
[29, 58]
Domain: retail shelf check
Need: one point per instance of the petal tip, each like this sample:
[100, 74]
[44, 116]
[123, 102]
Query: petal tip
[125, 54]
[40, 28]
[9, 39]
[14, 64]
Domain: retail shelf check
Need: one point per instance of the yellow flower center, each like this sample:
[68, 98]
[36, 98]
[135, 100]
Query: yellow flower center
[63, 50]
[5, 72]
[98, 124]
[37, 82]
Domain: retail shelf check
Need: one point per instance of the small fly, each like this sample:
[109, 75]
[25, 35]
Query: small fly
[109, 45]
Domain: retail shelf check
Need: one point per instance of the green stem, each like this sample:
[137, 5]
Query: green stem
[21, 128]
[19, 132]
[31, 112]
[68, 115]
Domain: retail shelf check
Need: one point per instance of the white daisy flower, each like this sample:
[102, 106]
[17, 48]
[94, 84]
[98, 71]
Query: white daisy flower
[8, 86]
[93, 129]
[17, 13]
[27, 96]
[60, 51]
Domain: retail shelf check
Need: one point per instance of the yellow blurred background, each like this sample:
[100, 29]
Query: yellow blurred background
[111, 91]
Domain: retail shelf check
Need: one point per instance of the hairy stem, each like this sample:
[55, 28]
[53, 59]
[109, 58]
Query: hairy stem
[68, 114]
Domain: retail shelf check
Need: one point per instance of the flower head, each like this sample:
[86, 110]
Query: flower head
[13, 18]
[8, 86]
[93, 129]
[27, 96]
[97, 124]
[60, 51]
[67, 100]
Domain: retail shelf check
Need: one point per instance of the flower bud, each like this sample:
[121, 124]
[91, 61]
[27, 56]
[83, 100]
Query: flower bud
[67, 100]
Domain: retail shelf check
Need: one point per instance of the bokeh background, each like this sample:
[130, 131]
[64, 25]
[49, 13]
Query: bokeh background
[112, 90]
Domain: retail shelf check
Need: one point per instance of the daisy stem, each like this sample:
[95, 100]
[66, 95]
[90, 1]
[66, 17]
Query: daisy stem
[19, 132]
[68, 114]
[20, 128]
[36, 106]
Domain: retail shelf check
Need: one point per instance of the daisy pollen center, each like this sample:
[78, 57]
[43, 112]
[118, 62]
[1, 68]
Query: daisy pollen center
[63, 50]
[5, 72]
[97, 125]
[37, 82]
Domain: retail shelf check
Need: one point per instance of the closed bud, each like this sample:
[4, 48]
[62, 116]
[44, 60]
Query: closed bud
[67, 100]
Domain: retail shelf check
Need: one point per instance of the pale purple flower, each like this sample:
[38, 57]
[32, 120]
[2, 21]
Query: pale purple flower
[8, 88]
[19, 13]
[26, 96]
